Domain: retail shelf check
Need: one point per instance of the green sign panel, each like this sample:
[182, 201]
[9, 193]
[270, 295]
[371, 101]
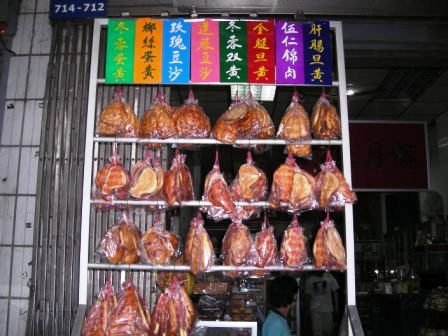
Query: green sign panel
[120, 51]
[233, 51]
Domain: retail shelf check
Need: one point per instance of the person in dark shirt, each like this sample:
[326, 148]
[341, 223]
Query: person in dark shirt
[282, 297]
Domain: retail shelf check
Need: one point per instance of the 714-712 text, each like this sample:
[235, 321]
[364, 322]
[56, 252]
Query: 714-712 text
[86, 7]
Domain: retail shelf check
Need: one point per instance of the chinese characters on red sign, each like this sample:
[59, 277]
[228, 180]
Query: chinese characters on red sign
[261, 51]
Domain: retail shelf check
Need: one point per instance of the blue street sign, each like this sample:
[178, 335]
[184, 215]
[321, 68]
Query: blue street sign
[77, 9]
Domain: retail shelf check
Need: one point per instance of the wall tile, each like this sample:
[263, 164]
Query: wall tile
[29, 161]
[18, 69]
[21, 271]
[5, 266]
[25, 214]
[27, 6]
[43, 6]
[42, 35]
[18, 313]
[12, 123]
[9, 161]
[7, 205]
[21, 43]
[32, 122]
[37, 77]
[3, 316]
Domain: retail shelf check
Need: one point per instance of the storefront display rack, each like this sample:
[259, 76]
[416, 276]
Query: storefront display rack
[91, 163]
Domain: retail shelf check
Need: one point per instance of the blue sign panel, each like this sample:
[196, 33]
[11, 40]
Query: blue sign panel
[77, 9]
[176, 51]
[317, 53]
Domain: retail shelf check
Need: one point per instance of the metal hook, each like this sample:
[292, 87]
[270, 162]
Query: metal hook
[194, 13]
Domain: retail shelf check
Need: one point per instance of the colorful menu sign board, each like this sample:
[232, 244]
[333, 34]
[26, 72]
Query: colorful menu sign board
[120, 51]
[148, 51]
[233, 51]
[178, 51]
[289, 52]
[205, 51]
[261, 52]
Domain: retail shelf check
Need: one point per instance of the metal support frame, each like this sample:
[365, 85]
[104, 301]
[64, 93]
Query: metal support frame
[210, 141]
[347, 168]
[88, 161]
[91, 139]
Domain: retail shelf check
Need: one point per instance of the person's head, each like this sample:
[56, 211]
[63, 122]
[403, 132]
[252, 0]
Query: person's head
[283, 291]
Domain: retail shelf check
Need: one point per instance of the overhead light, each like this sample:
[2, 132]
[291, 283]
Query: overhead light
[259, 92]
[350, 92]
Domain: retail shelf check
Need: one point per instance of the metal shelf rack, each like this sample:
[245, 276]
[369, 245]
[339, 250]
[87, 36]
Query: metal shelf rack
[90, 165]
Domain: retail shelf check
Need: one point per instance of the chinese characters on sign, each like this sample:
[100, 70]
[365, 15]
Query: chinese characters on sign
[205, 51]
[176, 52]
[120, 51]
[233, 51]
[317, 47]
[388, 156]
[289, 52]
[261, 51]
[148, 51]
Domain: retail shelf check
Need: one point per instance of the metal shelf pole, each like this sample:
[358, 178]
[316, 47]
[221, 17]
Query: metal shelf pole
[88, 161]
[346, 160]
[210, 141]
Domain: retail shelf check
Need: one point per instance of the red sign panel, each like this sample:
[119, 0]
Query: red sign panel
[261, 51]
[389, 156]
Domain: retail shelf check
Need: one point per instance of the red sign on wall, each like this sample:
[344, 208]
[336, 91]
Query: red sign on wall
[389, 156]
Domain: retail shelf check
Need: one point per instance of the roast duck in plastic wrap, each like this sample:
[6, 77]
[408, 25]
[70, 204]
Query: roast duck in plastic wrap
[174, 313]
[118, 119]
[325, 120]
[178, 184]
[244, 120]
[333, 190]
[198, 252]
[237, 246]
[328, 250]
[97, 318]
[147, 179]
[293, 250]
[159, 246]
[250, 185]
[293, 188]
[120, 243]
[295, 126]
[131, 315]
[190, 120]
[216, 191]
[157, 121]
[112, 181]
[266, 245]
